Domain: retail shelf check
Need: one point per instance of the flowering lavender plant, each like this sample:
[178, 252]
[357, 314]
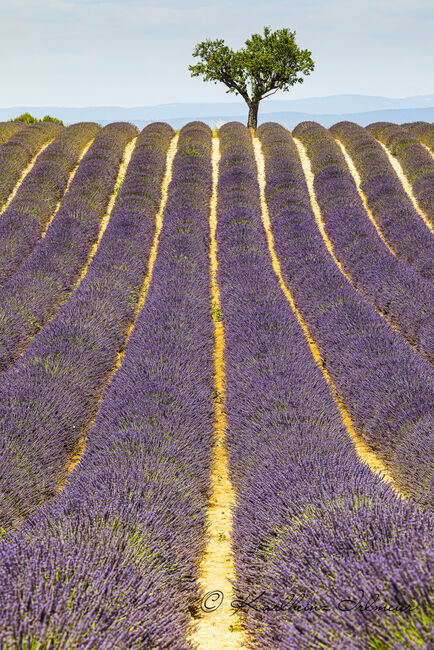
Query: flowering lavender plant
[316, 533]
[24, 220]
[416, 162]
[18, 151]
[392, 208]
[401, 296]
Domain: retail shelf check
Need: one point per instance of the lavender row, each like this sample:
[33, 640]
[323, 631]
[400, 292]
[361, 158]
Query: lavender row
[126, 534]
[45, 280]
[396, 291]
[390, 205]
[417, 163]
[423, 131]
[49, 397]
[28, 214]
[8, 129]
[312, 525]
[18, 151]
[388, 390]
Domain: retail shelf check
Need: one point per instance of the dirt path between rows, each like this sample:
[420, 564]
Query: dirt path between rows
[218, 628]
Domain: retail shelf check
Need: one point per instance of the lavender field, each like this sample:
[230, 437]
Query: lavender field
[216, 386]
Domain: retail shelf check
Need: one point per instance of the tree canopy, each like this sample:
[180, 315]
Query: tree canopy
[269, 62]
[30, 119]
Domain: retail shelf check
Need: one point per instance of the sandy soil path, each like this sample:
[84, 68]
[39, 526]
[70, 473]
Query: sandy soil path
[219, 627]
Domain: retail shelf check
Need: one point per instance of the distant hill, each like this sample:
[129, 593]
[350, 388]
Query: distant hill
[362, 109]
[289, 120]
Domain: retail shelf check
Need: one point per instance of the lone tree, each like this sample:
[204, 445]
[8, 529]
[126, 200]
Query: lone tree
[268, 63]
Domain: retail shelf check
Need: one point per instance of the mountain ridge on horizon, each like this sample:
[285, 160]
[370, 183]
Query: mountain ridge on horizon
[326, 110]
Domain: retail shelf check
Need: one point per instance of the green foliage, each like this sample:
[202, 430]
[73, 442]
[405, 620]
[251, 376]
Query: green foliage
[48, 118]
[216, 313]
[30, 119]
[268, 63]
[25, 117]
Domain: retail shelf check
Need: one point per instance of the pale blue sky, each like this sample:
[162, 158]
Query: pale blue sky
[136, 52]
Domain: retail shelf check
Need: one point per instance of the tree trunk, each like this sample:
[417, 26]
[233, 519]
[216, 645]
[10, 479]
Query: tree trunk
[252, 120]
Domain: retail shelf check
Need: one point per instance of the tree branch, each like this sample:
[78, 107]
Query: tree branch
[230, 83]
[271, 93]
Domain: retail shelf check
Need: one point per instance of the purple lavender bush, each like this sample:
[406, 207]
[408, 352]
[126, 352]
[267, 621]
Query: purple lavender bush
[416, 162]
[316, 533]
[113, 561]
[423, 131]
[8, 129]
[47, 277]
[18, 151]
[48, 398]
[390, 205]
[387, 389]
[400, 295]
[29, 212]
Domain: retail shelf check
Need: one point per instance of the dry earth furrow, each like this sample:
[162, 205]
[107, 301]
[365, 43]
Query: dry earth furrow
[213, 630]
